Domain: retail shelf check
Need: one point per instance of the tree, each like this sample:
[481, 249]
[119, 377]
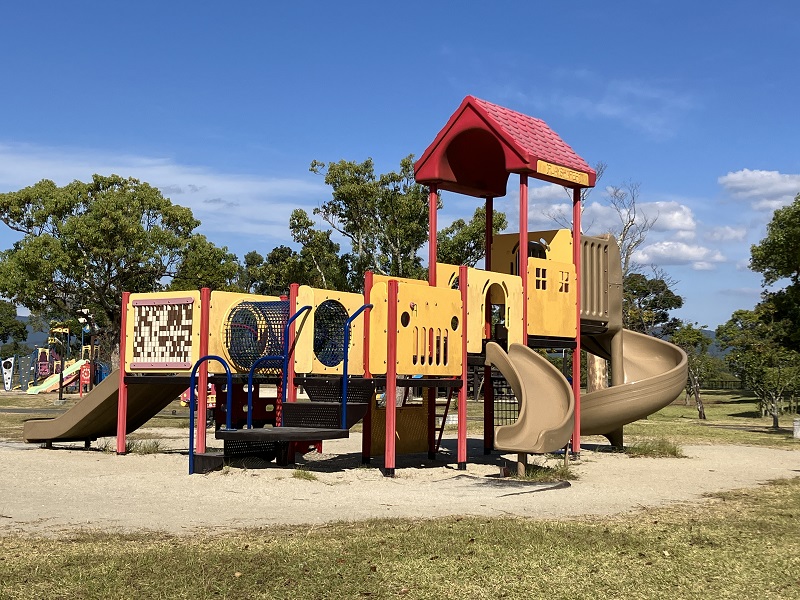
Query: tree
[205, 265]
[695, 343]
[11, 328]
[319, 264]
[385, 218]
[464, 243]
[84, 244]
[758, 359]
[777, 257]
[646, 304]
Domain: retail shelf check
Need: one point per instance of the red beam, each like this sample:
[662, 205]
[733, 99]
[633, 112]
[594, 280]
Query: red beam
[576, 357]
[122, 397]
[202, 380]
[391, 380]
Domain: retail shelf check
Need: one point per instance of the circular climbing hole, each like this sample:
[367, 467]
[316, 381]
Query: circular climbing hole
[329, 321]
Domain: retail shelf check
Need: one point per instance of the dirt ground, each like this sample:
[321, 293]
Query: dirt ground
[67, 489]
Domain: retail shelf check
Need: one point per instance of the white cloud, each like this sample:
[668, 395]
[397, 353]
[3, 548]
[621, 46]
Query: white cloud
[726, 233]
[670, 216]
[764, 190]
[231, 206]
[679, 253]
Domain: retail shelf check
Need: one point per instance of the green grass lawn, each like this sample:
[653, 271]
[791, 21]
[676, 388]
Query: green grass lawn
[742, 545]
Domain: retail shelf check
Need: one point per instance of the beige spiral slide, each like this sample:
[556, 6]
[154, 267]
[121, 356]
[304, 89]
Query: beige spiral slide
[655, 375]
[546, 403]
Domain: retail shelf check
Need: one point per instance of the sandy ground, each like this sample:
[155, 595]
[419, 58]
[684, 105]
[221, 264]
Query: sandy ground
[67, 489]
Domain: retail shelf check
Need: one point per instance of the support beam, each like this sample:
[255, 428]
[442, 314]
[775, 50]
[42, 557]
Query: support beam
[576, 355]
[433, 207]
[122, 398]
[202, 380]
[523, 250]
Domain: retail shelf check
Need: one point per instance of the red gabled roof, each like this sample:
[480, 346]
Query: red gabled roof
[483, 142]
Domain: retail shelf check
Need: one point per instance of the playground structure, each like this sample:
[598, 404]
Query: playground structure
[551, 290]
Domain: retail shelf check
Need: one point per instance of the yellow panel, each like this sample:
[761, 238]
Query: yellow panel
[446, 275]
[427, 342]
[552, 298]
[564, 173]
[221, 305]
[384, 278]
[162, 333]
[305, 359]
[557, 242]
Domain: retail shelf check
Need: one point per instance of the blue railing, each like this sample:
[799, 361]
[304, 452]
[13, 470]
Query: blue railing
[345, 361]
[192, 401]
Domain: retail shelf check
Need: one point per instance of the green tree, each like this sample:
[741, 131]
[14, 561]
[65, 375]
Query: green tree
[384, 218]
[11, 328]
[757, 357]
[777, 257]
[319, 263]
[205, 265]
[464, 243]
[647, 302]
[692, 339]
[83, 244]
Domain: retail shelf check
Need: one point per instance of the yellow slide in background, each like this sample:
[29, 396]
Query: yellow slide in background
[51, 383]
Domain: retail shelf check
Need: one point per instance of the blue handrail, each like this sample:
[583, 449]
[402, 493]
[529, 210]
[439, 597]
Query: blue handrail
[284, 357]
[192, 383]
[345, 375]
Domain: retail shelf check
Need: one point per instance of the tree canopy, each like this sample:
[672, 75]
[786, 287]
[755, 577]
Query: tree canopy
[647, 302]
[83, 244]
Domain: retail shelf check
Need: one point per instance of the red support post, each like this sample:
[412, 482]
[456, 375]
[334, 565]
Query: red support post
[202, 379]
[576, 357]
[488, 390]
[122, 394]
[433, 206]
[462, 393]
[523, 250]
[391, 380]
[366, 428]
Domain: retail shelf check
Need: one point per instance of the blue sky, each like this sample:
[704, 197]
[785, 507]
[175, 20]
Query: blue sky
[224, 105]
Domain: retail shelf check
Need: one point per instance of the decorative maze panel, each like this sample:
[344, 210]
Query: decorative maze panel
[162, 333]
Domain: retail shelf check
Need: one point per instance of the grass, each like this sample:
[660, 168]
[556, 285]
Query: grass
[545, 474]
[655, 448]
[304, 474]
[732, 418]
[737, 545]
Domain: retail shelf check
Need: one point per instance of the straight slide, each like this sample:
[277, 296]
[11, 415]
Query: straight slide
[51, 383]
[546, 402]
[95, 415]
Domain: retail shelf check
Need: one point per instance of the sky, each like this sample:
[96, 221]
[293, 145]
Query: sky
[223, 106]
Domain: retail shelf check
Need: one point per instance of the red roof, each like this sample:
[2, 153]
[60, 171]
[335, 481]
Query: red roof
[483, 142]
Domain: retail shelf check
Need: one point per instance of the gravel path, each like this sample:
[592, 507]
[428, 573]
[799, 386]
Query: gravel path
[56, 492]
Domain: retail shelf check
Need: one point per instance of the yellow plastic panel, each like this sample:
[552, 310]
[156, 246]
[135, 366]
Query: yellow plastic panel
[162, 333]
[429, 330]
[552, 298]
[557, 244]
[221, 305]
[384, 278]
[483, 286]
[305, 359]
[411, 428]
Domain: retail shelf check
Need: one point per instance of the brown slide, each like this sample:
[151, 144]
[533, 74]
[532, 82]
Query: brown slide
[546, 403]
[655, 374]
[95, 415]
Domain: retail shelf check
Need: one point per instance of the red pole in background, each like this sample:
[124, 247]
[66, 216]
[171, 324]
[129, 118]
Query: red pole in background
[122, 397]
[202, 380]
[391, 380]
[433, 206]
[576, 357]
[523, 250]
[462, 393]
